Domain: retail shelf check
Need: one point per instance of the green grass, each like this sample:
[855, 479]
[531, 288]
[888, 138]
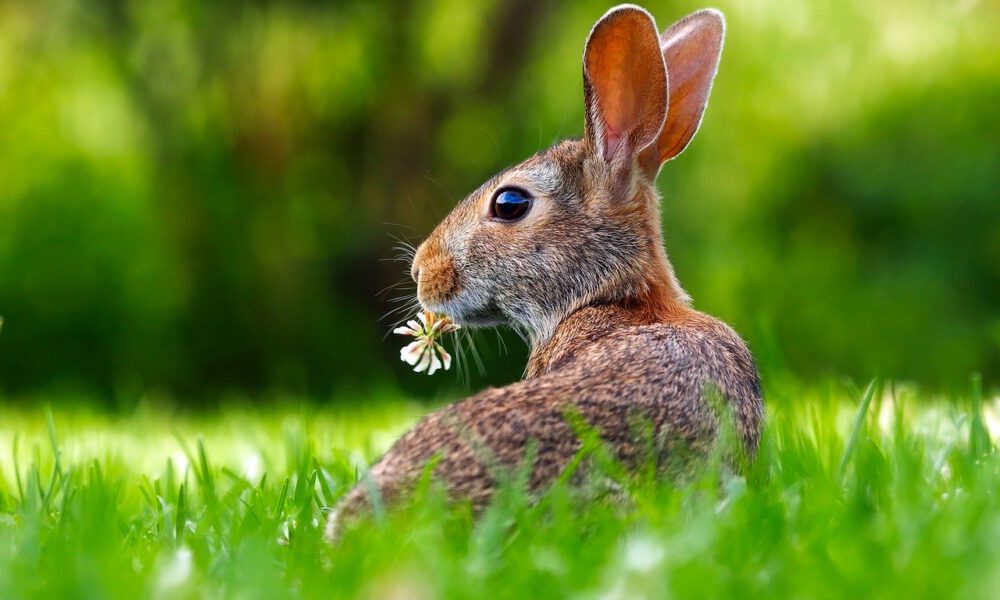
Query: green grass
[884, 493]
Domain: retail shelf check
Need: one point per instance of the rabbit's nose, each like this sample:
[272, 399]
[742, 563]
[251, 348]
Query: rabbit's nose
[419, 258]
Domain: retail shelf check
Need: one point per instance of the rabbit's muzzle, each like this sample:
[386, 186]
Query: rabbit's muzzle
[434, 272]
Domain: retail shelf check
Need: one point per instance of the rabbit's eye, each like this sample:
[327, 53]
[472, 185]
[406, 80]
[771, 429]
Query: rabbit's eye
[510, 204]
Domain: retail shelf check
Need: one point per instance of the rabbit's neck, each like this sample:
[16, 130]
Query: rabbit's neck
[588, 326]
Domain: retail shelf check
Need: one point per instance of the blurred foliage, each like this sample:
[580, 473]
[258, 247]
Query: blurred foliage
[196, 195]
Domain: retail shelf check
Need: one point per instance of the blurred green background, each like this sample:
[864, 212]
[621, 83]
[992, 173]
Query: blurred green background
[197, 196]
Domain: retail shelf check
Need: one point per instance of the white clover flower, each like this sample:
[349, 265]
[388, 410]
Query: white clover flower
[425, 353]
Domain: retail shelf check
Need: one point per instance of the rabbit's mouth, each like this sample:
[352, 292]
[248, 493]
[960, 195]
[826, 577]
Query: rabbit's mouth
[469, 313]
[481, 318]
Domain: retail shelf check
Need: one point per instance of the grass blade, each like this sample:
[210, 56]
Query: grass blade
[859, 421]
[979, 434]
[17, 469]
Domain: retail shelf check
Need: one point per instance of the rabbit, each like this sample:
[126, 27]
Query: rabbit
[567, 246]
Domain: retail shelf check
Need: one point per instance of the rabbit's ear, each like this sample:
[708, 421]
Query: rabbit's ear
[624, 84]
[691, 48]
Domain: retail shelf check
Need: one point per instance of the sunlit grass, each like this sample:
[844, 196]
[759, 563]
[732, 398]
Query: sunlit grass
[882, 491]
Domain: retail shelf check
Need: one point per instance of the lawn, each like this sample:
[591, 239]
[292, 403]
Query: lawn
[884, 491]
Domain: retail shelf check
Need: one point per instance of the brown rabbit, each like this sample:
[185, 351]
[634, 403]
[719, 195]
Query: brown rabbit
[567, 246]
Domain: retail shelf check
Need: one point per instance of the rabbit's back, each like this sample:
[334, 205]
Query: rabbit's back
[667, 371]
[656, 374]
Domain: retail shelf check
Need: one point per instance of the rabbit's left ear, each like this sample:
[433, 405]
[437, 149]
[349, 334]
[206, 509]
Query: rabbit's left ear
[624, 84]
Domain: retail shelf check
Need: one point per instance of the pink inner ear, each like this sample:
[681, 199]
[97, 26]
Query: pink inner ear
[612, 139]
[625, 83]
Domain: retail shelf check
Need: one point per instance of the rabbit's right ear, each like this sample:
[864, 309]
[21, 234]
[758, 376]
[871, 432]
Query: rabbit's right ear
[691, 49]
[624, 85]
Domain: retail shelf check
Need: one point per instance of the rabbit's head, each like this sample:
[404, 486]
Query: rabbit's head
[579, 223]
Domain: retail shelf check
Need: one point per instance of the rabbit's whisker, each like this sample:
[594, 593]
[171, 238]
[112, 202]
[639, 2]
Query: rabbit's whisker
[460, 350]
[398, 285]
[400, 225]
[406, 310]
[470, 338]
[501, 344]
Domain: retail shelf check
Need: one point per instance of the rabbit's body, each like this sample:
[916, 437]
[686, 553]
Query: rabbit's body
[611, 367]
[567, 246]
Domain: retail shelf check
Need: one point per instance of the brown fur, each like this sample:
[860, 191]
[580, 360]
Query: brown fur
[586, 276]
[440, 280]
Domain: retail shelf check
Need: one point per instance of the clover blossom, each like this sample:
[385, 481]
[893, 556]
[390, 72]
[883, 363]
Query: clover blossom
[426, 353]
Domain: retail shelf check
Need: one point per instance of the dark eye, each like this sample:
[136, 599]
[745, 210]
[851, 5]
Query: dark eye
[510, 204]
